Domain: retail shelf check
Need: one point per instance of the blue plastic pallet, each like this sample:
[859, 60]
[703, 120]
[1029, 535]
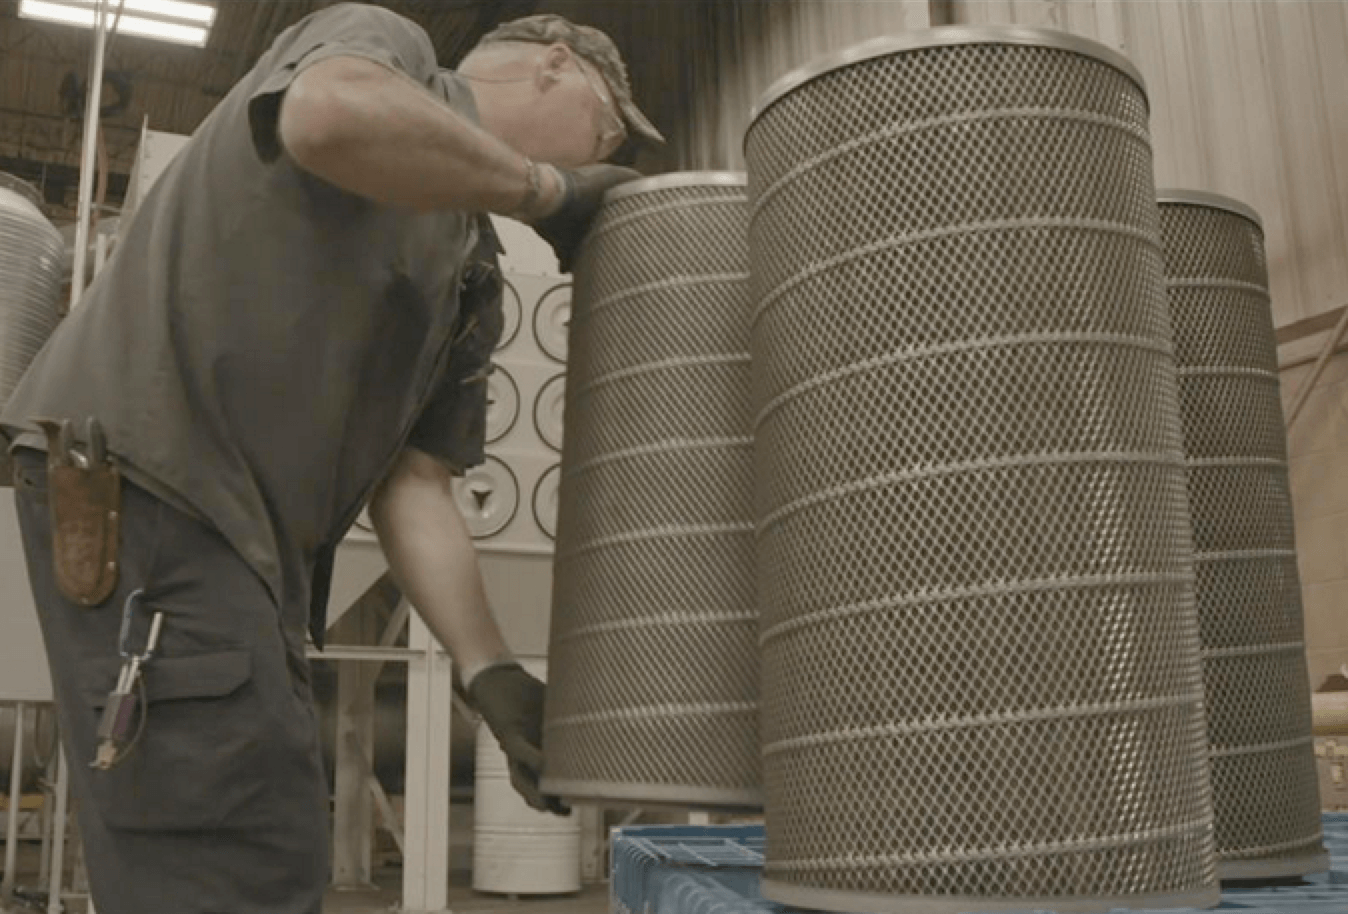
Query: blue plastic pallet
[688, 869]
[691, 869]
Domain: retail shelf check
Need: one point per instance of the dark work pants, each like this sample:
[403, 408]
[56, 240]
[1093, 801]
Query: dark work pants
[221, 807]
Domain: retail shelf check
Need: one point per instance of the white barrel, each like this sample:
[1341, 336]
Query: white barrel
[518, 850]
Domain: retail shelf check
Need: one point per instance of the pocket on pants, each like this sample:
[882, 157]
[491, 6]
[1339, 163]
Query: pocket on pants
[194, 765]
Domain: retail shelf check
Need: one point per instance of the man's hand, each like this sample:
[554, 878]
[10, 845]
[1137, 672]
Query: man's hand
[511, 702]
[582, 191]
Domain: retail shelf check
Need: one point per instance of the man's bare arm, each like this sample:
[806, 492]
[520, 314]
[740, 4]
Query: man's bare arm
[374, 132]
[434, 562]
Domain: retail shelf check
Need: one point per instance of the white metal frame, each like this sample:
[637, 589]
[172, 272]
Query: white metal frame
[429, 714]
[15, 797]
[424, 835]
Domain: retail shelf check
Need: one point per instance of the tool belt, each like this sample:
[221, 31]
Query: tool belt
[84, 496]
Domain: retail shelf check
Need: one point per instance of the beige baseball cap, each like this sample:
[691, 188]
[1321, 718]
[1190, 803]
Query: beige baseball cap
[597, 49]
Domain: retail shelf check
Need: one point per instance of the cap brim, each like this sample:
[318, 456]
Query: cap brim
[640, 126]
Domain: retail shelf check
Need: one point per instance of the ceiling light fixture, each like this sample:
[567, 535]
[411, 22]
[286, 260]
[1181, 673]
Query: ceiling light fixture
[166, 20]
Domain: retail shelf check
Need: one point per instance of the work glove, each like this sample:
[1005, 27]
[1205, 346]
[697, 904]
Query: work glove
[511, 703]
[583, 190]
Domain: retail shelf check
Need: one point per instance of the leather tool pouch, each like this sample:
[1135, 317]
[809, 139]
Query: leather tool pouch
[86, 510]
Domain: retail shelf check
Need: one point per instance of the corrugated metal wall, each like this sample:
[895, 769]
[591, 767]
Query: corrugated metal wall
[748, 46]
[1249, 99]
[760, 42]
[1098, 19]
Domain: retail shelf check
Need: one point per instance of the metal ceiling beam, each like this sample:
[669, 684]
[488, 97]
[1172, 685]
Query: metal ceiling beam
[54, 140]
[53, 176]
[22, 32]
[176, 102]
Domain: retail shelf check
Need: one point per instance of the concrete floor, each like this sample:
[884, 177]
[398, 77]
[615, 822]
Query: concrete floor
[462, 900]
[382, 900]
[592, 900]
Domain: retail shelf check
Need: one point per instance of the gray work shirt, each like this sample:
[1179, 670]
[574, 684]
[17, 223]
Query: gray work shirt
[263, 344]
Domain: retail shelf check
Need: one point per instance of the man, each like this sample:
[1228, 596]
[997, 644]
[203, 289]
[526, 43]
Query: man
[299, 320]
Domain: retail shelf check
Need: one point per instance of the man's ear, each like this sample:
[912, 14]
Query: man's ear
[552, 64]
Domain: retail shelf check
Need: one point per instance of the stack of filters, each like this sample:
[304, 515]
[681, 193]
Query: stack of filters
[653, 643]
[974, 615]
[1265, 788]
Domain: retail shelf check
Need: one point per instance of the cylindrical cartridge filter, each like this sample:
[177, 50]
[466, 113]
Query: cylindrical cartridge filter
[981, 686]
[30, 280]
[1265, 788]
[653, 697]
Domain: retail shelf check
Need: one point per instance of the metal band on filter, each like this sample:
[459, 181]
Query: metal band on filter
[653, 698]
[1265, 785]
[980, 676]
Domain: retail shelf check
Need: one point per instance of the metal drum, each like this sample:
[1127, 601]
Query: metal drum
[981, 685]
[653, 698]
[30, 280]
[1265, 788]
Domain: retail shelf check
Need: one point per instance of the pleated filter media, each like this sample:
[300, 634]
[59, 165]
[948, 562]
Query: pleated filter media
[1265, 787]
[981, 684]
[653, 698]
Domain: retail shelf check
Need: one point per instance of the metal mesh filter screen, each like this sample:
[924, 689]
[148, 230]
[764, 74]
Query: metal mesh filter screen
[654, 629]
[981, 682]
[30, 280]
[1265, 789]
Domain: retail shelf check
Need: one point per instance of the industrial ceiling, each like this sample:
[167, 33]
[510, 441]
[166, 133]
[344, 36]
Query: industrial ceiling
[43, 80]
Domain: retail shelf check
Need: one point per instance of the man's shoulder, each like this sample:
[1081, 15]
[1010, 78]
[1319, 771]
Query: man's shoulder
[358, 16]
